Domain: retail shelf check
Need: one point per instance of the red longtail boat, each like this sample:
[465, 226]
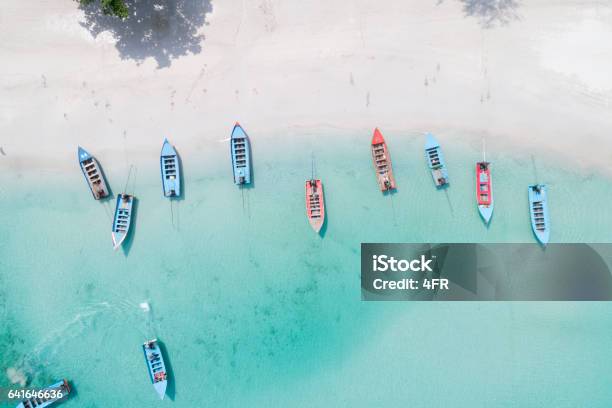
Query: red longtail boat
[484, 191]
[382, 162]
[315, 204]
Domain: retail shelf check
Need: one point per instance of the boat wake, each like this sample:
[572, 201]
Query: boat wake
[28, 367]
[54, 341]
[69, 330]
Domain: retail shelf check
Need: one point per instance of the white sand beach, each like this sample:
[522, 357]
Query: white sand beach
[529, 76]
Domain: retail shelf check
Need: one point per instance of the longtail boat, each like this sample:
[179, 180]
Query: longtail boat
[49, 395]
[93, 174]
[382, 162]
[484, 190]
[170, 171]
[155, 366]
[240, 150]
[315, 204]
[538, 209]
[122, 219]
[435, 161]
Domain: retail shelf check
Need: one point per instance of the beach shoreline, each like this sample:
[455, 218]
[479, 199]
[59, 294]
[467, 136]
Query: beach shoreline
[406, 68]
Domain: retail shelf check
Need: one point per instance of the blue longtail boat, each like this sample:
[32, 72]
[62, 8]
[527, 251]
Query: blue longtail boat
[170, 171]
[93, 174]
[435, 161]
[538, 209]
[122, 219]
[156, 367]
[50, 395]
[240, 150]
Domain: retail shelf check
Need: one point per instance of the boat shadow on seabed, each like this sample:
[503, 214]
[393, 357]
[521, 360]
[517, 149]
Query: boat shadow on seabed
[175, 200]
[129, 239]
[170, 390]
[323, 229]
[182, 178]
[250, 185]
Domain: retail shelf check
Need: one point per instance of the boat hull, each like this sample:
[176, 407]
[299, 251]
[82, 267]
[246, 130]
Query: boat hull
[122, 219]
[538, 210]
[170, 171]
[484, 191]
[240, 152]
[93, 174]
[315, 204]
[156, 367]
[435, 161]
[382, 163]
[486, 212]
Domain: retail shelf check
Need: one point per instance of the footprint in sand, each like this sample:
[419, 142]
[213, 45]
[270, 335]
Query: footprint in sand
[44, 81]
[172, 94]
[426, 82]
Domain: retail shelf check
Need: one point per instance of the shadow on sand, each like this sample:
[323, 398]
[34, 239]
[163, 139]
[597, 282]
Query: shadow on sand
[163, 30]
[490, 13]
[171, 389]
[182, 180]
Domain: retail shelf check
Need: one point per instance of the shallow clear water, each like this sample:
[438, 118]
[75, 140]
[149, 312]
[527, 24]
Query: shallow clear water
[254, 309]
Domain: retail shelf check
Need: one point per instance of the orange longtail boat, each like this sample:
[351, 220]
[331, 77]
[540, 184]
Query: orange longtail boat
[315, 204]
[382, 162]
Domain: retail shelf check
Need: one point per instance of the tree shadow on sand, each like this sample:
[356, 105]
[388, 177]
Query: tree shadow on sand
[164, 30]
[491, 13]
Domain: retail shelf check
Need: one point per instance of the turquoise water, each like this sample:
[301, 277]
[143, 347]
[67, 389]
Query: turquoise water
[254, 309]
